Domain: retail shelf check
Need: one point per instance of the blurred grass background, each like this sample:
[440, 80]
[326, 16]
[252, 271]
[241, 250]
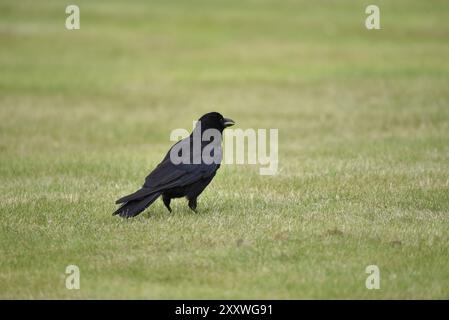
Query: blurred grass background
[363, 119]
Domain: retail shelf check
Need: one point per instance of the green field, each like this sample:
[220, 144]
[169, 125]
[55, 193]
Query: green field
[363, 119]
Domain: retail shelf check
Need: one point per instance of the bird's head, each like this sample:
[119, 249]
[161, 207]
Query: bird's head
[214, 120]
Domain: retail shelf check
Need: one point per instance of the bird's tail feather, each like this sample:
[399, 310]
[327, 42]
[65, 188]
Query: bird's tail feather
[138, 195]
[134, 207]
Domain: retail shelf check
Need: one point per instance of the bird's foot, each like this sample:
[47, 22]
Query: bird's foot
[166, 201]
[192, 205]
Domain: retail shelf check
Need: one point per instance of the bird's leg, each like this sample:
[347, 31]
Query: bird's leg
[166, 200]
[193, 204]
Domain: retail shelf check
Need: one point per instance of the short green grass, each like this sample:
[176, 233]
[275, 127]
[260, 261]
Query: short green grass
[363, 119]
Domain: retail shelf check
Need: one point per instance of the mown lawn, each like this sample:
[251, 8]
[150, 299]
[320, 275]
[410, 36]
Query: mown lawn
[363, 119]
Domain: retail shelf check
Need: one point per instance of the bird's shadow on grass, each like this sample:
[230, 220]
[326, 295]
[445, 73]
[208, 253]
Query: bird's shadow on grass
[163, 213]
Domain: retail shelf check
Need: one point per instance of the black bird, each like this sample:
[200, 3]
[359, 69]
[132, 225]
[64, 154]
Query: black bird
[172, 179]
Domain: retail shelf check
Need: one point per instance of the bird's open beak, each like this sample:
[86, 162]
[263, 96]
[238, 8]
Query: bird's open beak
[228, 122]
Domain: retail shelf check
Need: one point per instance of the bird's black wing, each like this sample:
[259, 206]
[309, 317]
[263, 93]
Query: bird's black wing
[168, 175]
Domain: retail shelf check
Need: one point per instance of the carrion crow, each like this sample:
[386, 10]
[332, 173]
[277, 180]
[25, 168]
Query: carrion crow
[184, 172]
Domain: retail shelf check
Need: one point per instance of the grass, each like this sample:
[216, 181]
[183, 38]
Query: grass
[363, 119]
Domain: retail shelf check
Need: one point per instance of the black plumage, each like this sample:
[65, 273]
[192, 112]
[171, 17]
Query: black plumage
[172, 180]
